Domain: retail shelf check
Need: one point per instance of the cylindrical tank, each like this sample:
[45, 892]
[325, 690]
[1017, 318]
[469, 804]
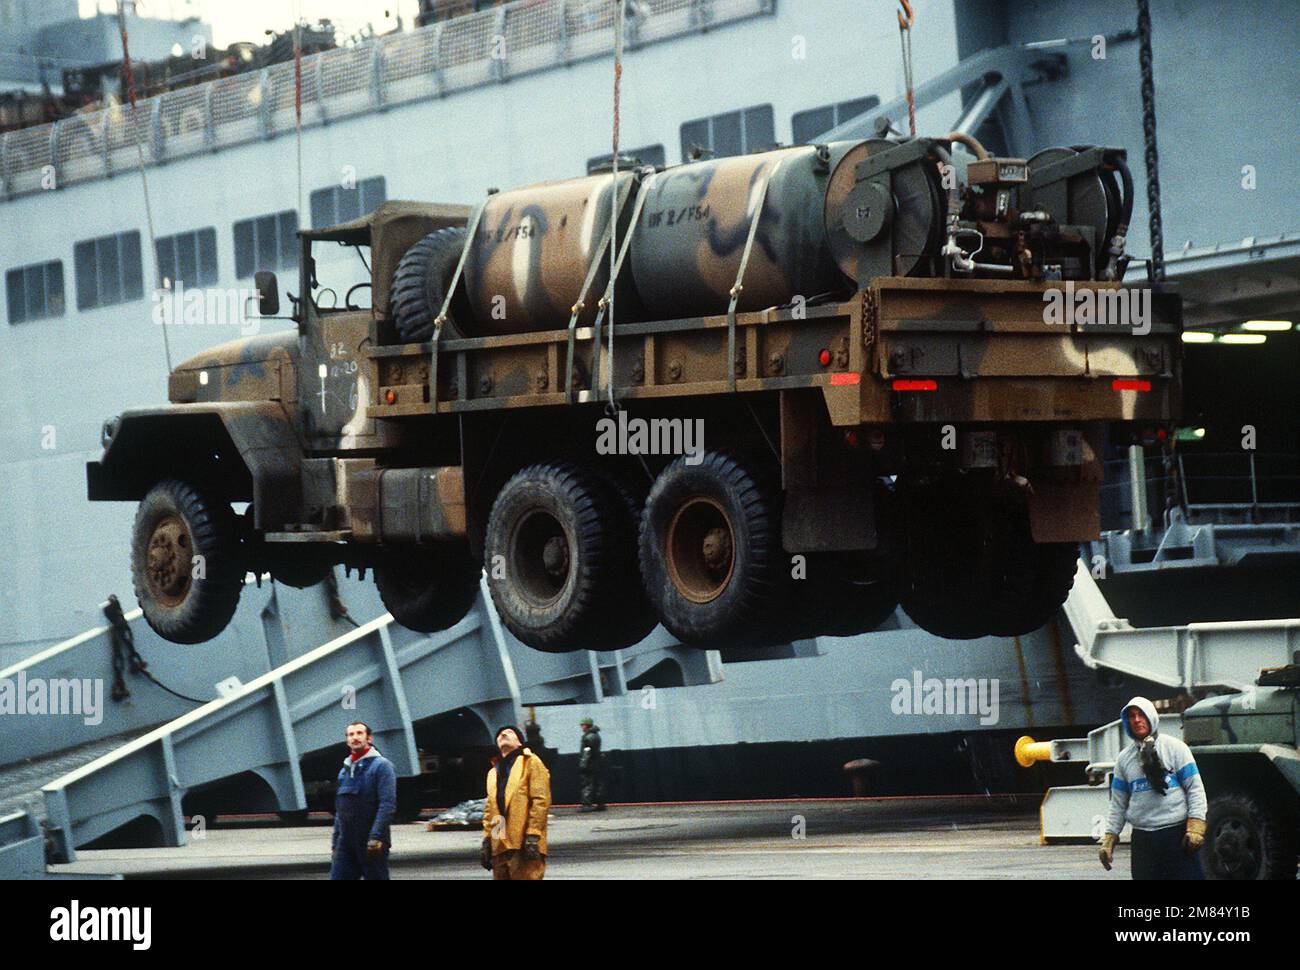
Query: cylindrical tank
[532, 250]
[688, 242]
[534, 244]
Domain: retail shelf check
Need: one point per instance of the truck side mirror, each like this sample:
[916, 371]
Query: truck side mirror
[268, 292]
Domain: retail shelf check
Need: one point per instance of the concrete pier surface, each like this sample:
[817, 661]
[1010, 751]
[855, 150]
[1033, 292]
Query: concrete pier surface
[971, 837]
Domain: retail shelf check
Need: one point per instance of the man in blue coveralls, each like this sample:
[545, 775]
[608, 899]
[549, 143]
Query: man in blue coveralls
[363, 809]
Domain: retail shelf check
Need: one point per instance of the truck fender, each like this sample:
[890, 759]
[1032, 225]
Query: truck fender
[248, 448]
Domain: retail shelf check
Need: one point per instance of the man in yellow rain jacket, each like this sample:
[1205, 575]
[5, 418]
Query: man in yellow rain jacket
[514, 816]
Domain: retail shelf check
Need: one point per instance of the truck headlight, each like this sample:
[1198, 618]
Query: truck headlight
[108, 431]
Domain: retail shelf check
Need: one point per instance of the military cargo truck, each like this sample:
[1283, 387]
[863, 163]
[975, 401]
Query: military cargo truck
[1245, 746]
[753, 399]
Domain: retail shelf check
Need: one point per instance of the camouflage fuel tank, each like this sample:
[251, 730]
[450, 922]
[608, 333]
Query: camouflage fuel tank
[532, 250]
[534, 244]
[691, 234]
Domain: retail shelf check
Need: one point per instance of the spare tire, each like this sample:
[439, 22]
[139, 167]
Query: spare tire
[420, 286]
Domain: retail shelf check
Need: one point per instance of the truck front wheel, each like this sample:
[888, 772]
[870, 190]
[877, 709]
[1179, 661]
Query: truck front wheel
[428, 589]
[185, 562]
[1247, 837]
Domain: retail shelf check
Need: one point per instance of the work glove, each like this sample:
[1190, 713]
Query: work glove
[374, 849]
[1107, 853]
[532, 848]
[485, 853]
[1194, 836]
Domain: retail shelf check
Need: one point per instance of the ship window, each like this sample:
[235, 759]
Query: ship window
[267, 242]
[335, 204]
[108, 270]
[189, 257]
[733, 133]
[807, 125]
[649, 155]
[35, 292]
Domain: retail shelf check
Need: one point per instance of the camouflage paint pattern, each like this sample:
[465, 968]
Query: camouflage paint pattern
[688, 243]
[532, 251]
[339, 390]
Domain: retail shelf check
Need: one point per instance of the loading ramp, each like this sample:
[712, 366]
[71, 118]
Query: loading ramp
[379, 672]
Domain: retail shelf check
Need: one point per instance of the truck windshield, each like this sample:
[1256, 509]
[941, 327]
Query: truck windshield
[342, 277]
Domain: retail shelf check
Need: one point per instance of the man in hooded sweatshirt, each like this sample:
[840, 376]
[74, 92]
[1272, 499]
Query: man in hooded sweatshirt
[515, 813]
[1157, 787]
[364, 802]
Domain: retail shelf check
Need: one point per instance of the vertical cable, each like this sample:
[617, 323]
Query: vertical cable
[297, 99]
[905, 40]
[1149, 131]
[128, 78]
[619, 20]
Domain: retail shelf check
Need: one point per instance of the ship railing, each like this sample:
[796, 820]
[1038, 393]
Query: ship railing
[488, 47]
[1192, 487]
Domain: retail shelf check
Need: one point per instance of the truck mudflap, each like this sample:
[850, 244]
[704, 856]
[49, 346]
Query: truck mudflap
[252, 444]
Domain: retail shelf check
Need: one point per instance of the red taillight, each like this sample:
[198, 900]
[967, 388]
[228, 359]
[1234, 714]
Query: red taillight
[824, 358]
[843, 379]
[924, 385]
[1119, 384]
[390, 397]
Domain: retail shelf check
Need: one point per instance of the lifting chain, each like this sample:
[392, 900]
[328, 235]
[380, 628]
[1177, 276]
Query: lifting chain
[1149, 132]
[126, 657]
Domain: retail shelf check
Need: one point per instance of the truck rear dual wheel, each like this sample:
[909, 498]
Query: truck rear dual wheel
[1053, 578]
[839, 597]
[552, 552]
[972, 569]
[428, 588]
[939, 588]
[1247, 837]
[630, 617]
[185, 561]
[711, 555]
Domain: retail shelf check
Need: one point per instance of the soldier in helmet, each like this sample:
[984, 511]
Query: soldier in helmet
[591, 768]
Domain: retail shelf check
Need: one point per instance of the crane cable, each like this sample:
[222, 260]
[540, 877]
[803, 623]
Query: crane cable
[128, 79]
[1157, 267]
[619, 23]
[905, 39]
[297, 98]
